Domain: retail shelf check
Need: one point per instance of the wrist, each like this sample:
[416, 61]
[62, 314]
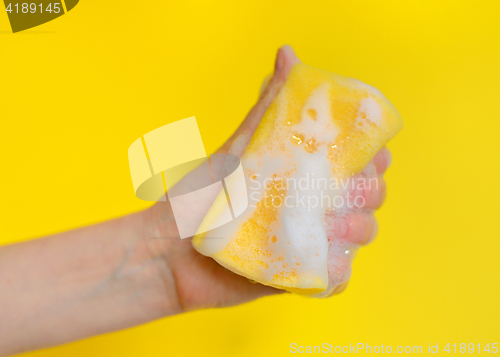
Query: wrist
[159, 234]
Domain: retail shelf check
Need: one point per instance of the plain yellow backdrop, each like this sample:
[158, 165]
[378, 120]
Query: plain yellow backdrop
[76, 92]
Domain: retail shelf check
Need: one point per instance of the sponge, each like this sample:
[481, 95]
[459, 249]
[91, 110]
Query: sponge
[320, 130]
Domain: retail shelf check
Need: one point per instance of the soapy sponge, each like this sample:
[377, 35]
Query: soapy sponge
[320, 130]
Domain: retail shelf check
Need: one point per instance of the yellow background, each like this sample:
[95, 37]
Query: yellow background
[76, 92]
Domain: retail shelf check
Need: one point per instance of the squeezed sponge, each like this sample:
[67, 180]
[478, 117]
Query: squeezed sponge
[321, 127]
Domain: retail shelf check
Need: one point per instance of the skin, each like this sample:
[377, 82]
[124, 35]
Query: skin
[120, 273]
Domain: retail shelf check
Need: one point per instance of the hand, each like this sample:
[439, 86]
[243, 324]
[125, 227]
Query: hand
[200, 281]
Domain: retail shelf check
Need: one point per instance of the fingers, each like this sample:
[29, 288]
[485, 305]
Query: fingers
[368, 194]
[382, 160]
[368, 189]
[362, 228]
[358, 227]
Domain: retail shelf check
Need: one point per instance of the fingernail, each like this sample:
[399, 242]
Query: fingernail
[340, 288]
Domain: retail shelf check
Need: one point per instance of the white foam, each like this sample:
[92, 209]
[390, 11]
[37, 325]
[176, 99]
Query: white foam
[369, 111]
[323, 129]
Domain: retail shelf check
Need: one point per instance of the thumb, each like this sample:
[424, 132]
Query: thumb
[191, 215]
[285, 59]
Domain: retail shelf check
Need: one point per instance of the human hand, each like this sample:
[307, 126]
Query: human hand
[200, 281]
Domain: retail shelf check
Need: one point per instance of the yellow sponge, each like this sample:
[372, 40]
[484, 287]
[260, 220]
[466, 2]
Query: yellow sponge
[321, 128]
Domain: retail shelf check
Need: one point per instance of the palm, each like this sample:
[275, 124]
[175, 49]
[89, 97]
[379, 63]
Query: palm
[202, 282]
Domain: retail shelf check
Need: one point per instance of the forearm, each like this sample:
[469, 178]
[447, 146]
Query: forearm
[84, 282]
